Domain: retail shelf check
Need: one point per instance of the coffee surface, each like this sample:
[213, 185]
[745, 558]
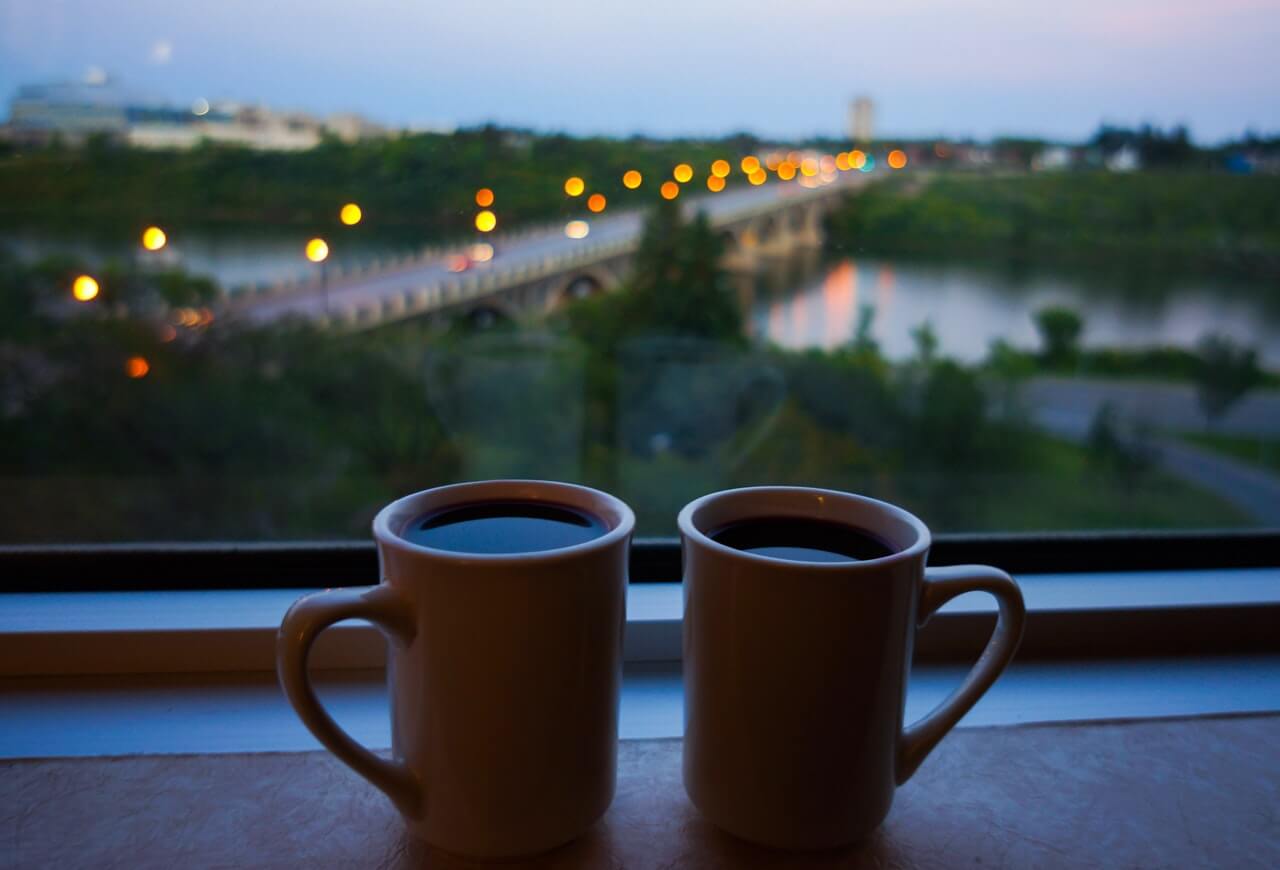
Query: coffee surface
[800, 539]
[491, 528]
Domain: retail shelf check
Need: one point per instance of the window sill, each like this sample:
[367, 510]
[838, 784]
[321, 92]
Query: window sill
[1146, 613]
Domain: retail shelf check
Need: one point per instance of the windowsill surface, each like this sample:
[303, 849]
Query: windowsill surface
[221, 713]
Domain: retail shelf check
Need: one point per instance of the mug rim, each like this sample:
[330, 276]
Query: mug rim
[384, 535]
[917, 549]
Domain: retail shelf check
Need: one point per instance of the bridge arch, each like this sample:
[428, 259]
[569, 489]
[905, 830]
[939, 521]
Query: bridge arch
[485, 315]
[581, 284]
[767, 230]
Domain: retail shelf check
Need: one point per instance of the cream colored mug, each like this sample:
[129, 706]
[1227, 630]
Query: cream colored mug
[504, 674]
[795, 673]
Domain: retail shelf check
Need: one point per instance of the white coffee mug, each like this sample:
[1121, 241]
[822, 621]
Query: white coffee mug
[504, 674]
[795, 673]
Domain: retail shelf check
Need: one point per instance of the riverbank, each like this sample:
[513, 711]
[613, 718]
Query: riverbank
[1117, 223]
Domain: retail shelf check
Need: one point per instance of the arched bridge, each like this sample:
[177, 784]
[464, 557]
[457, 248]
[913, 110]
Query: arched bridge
[536, 271]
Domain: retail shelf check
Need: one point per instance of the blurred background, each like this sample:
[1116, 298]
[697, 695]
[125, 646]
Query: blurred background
[265, 267]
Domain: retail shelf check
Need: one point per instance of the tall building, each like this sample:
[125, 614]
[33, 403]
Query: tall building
[862, 119]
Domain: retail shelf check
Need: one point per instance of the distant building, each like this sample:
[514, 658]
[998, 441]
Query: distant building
[862, 119]
[97, 106]
[1053, 158]
[1124, 159]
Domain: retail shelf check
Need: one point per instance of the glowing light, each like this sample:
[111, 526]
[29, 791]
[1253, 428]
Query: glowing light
[827, 163]
[205, 317]
[631, 179]
[596, 202]
[168, 334]
[842, 161]
[200, 107]
[793, 157]
[682, 173]
[715, 183]
[153, 238]
[317, 250]
[578, 229]
[773, 161]
[868, 164]
[670, 190]
[758, 176]
[350, 214]
[481, 252]
[857, 159]
[809, 167]
[574, 186]
[84, 288]
[458, 263]
[749, 164]
[897, 158]
[786, 170]
[486, 221]
[137, 367]
[720, 168]
[187, 316]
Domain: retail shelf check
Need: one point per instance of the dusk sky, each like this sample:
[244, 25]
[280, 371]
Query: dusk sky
[981, 68]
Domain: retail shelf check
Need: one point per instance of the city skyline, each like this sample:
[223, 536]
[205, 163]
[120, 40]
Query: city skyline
[994, 68]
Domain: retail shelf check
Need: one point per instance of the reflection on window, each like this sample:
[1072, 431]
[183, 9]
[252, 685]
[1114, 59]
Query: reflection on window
[257, 300]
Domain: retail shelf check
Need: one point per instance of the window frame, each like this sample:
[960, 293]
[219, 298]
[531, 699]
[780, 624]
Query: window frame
[136, 567]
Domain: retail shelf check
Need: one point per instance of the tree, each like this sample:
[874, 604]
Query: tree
[1227, 372]
[1060, 330]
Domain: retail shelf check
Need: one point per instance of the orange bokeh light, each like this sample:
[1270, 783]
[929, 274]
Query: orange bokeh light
[786, 170]
[842, 161]
[153, 238]
[350, 214]
[317, 250]
[758, 177]
[137, 367]
[715, 183]
[631, 179]
[670, 190]
[749, 164]
[484, 197]
[897, 158]
[574, 186]
[683, 172]
[720, 168]
[596, 202]
[84, 288]
[486, 221]
[857, 159]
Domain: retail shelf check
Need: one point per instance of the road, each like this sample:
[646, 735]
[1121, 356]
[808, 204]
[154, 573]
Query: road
[1067, 407]
[514, 252]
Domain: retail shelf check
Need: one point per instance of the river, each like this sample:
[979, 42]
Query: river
[817, 304]
[810, 301]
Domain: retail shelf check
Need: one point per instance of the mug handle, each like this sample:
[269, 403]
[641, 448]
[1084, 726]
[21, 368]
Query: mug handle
[940, 586]
[311, 615]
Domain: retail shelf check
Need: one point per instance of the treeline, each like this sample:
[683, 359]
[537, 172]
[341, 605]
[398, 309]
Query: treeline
[424, 183]
[1217, 220]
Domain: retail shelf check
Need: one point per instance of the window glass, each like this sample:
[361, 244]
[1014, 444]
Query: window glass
[266, 266]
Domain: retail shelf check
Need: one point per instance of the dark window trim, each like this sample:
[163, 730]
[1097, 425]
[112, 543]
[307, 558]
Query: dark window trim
[163, 566]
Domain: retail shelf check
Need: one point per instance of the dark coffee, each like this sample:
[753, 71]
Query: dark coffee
[800, 539]
[504, 527]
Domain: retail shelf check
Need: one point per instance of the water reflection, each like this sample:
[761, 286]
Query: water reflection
[809, 303]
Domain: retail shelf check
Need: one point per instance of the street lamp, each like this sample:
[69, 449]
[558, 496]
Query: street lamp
[317, 251]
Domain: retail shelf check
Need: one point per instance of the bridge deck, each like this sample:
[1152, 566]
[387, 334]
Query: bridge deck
[424, 284]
